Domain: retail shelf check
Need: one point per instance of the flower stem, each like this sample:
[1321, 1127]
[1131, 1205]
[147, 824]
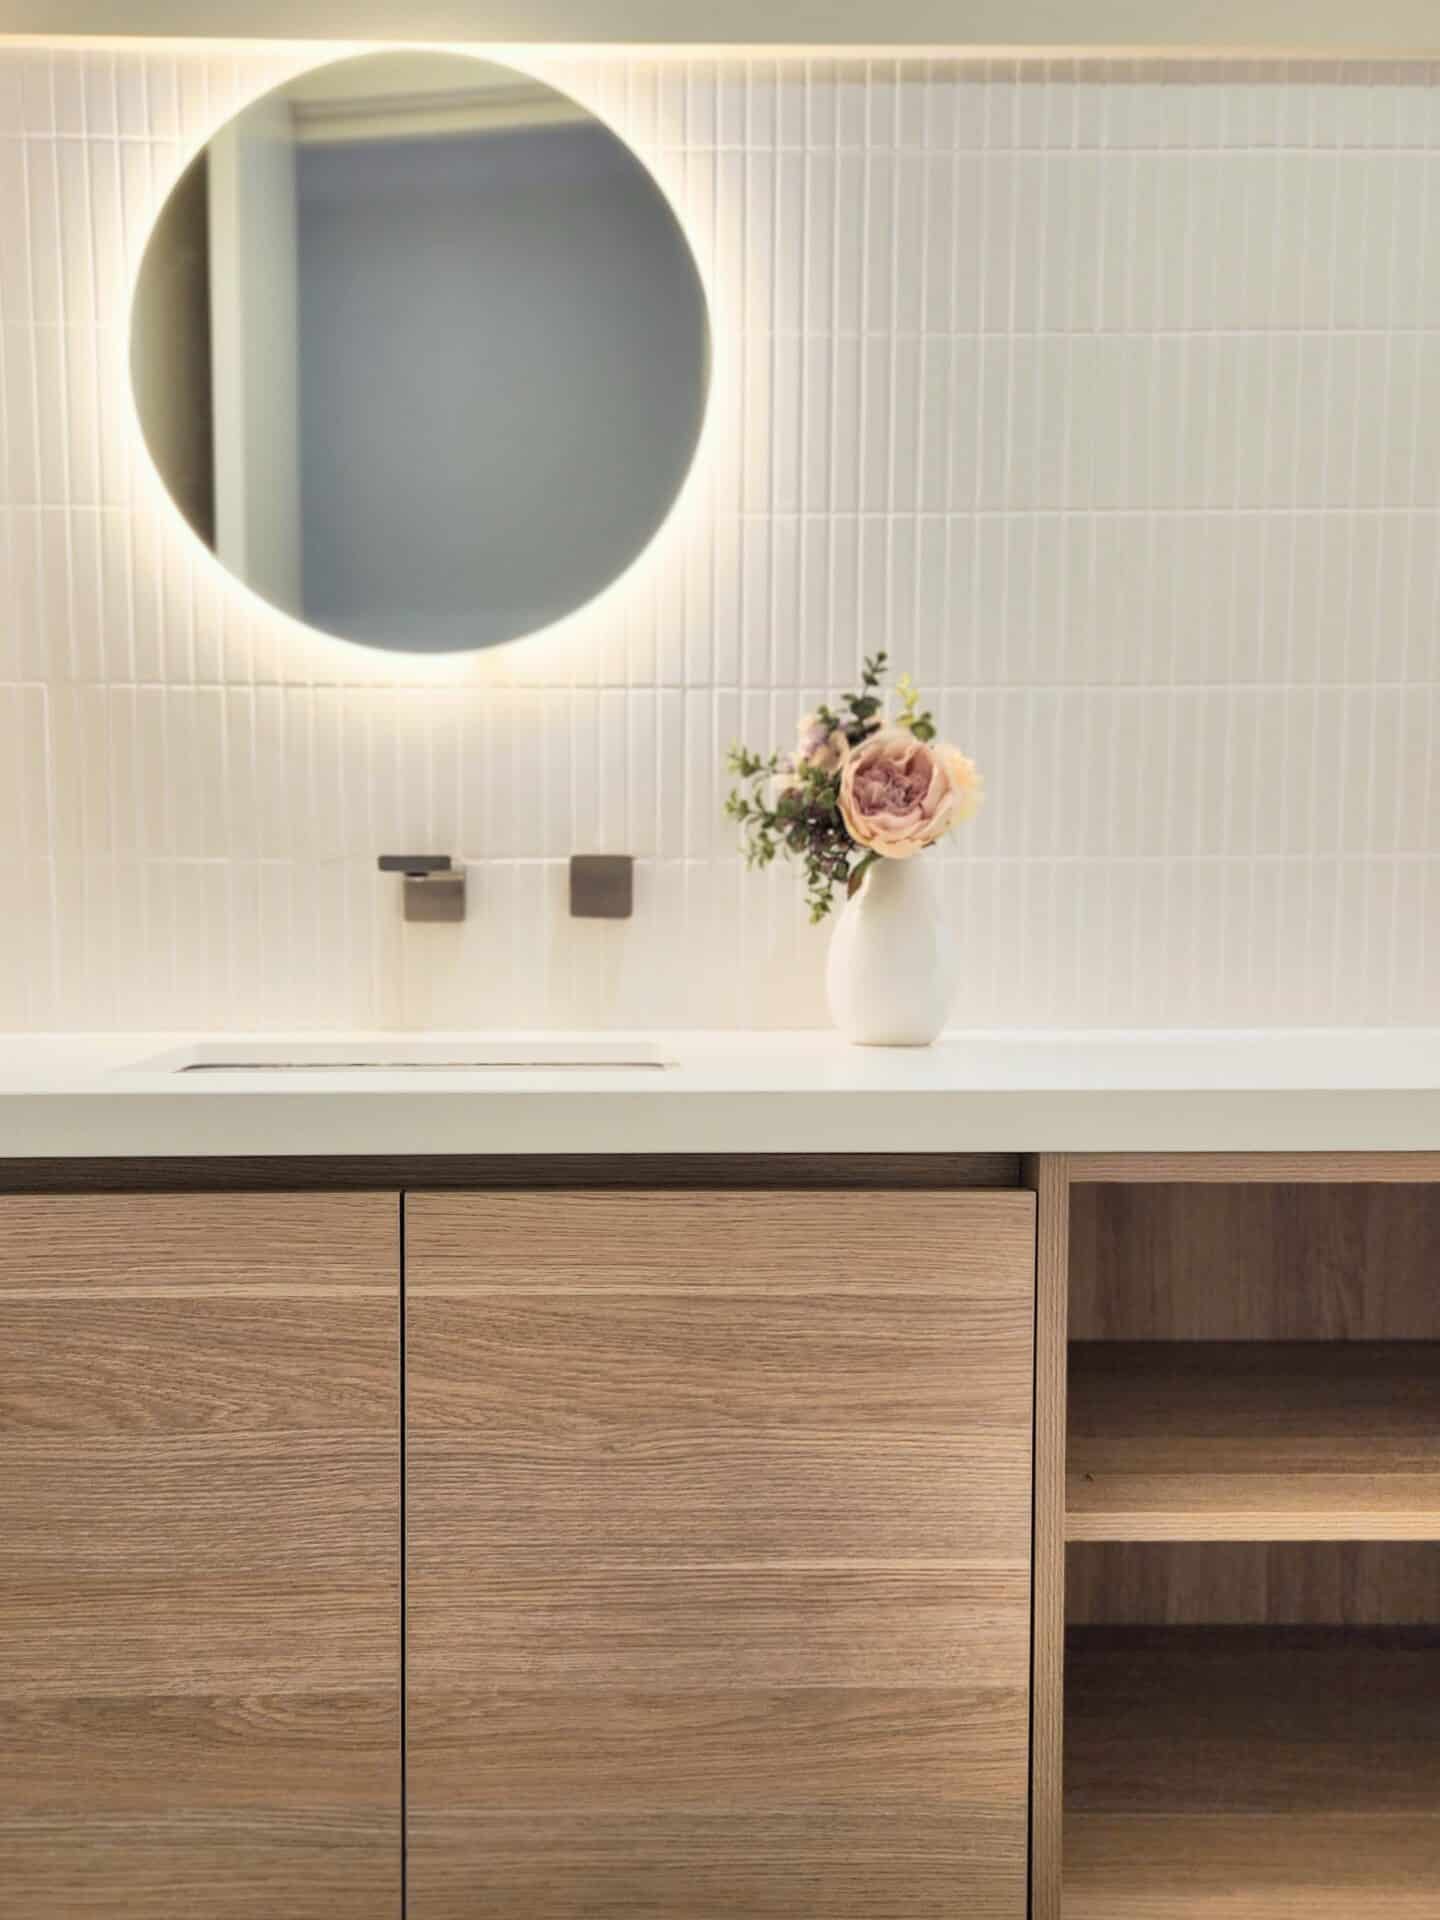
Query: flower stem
[858, 872]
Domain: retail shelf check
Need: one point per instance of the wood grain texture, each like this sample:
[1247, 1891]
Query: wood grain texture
[697, 1751]
[99, 1246]
[1218, 1506]
[699, 1357]
[1048, 1176]
[1261, 1775]
[1321, 1583]
[1199, 1721]
[790, 1244]
[1323, 1866]
[1257, 1262]
[396, 1173]
[1135, 1169]
[236, 1753]
[170, 1365]
[718, 1554]
[723, 1863]
[178, 1865]
[199, 1556]
[1249, 1774]
[1224, 1440]
[749, 1624]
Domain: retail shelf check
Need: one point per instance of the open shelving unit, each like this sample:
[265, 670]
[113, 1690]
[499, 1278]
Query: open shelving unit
[1288, 1774]
[1238, 1697]
[1253, 1440]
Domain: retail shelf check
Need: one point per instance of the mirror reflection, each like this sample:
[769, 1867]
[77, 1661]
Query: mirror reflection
[420, 351]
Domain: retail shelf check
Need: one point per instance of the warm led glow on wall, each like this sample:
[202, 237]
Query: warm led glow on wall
[559, 649]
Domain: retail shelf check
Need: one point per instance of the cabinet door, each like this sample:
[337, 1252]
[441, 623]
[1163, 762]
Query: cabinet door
[718, 1523]
[199, 1557]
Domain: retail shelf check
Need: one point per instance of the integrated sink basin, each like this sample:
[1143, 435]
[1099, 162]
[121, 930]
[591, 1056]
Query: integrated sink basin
[408, 1056]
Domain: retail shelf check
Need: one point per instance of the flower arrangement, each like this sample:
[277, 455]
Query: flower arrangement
[860, 786]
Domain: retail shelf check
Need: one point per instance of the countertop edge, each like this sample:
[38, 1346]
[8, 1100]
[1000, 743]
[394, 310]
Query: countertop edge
[57, 1124]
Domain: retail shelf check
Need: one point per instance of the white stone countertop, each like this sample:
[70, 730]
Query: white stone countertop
[1286, 1091]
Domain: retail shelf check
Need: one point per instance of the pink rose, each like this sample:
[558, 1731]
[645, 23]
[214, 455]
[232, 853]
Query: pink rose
[967, 780]
[898, 794]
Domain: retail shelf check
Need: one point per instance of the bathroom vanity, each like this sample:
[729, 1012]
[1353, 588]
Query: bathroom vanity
[631, 1533]
[716, 1477]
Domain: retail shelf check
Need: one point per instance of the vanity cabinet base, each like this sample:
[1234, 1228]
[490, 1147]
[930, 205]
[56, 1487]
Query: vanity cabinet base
[719, 1554]
[199, 1557]
[1238, 1539]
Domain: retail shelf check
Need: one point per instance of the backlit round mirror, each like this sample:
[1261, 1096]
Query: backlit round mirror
[421, 351]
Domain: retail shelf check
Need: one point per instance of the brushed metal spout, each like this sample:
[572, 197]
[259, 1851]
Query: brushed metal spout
[434, 888]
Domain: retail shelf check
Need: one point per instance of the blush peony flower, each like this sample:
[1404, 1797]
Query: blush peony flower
[898, 795]
[967, 780]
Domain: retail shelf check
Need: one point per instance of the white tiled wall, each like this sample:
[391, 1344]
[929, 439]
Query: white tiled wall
[1106, 397]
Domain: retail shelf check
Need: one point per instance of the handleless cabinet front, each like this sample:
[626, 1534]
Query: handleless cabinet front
[718, 1535]
[199, 1557]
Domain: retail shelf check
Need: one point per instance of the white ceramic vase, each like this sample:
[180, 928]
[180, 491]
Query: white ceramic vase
[888, 978]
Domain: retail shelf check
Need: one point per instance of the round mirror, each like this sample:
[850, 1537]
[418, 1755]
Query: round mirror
[420, 351]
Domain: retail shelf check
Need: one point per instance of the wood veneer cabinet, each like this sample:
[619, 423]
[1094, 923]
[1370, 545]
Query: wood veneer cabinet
[200, 1557]
[1237, 1630]
[718, 1516]
[717, 1496]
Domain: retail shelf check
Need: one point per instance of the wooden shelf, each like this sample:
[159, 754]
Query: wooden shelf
[1276, 1775]
[1253, 1441]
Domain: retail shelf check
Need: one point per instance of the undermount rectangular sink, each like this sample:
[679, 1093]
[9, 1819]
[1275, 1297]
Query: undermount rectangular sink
[408, 1056]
